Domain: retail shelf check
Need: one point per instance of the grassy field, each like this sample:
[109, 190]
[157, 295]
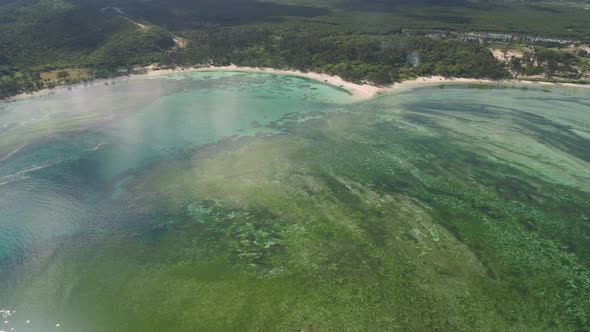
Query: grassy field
[57, 76]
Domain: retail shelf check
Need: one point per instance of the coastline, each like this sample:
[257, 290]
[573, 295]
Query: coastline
[362, 91]
[37, 93]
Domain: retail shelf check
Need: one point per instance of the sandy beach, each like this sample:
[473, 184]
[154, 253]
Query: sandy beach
[362, 91]
[37, 93]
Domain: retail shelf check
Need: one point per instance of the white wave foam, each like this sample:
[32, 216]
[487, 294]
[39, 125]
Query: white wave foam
[12, 153]
[100, 145]
[20, 174]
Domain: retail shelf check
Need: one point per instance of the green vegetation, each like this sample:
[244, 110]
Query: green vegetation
[358, 40]
[53, 35]
[142, 46]
[399, 214]
[380, 60]
[548, 62]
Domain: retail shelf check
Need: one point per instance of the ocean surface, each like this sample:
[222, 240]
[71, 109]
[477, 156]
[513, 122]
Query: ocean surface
[56, 183]
[96, 190]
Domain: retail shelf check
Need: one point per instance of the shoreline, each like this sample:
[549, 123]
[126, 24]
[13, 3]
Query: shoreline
[365, 90]
[359, 90]
[362, 91]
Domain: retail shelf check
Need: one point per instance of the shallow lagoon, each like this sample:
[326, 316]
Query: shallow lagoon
[112, 130]
[228, 201]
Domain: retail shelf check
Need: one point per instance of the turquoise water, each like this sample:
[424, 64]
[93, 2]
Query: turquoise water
[66, 182]
[96, 182]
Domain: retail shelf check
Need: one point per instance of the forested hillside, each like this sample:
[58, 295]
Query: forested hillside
[47, 35]
[49, 42]
[378, 59]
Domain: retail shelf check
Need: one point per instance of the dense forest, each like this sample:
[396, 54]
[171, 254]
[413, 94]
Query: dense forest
[44, 43]
[355, 58]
